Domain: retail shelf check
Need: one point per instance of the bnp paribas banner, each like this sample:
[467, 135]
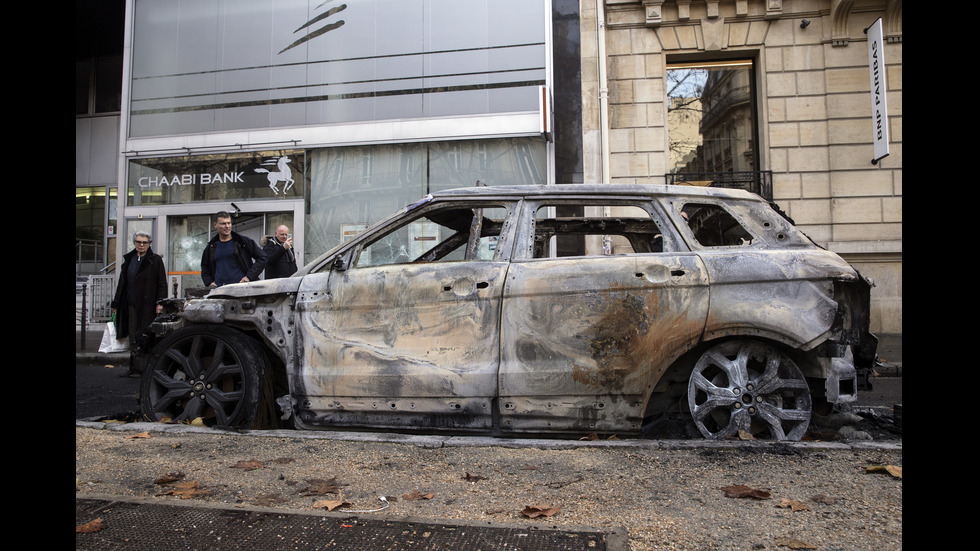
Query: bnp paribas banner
[180, 180]
[879, 91]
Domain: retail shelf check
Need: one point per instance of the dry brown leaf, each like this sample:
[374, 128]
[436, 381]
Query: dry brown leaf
[318, 487]
[794, 544]
[744, 491]
[793, 504]
[90, 527]
[328, 504]
[186, 490]
[169, 478]
[534, 511]
[591, 436]
[198, 422]
[473, 477]
[893, 470]
[745, 435]
[416, 495]
[140, 435]
[251, 465]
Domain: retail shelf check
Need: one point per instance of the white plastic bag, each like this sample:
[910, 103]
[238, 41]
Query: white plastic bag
[109, 341]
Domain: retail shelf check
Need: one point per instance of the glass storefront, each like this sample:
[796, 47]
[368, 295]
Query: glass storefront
[95, 226]
[353, 187]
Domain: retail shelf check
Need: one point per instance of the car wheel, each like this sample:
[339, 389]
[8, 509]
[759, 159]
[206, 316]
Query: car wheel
[749, 386]
[210, 373]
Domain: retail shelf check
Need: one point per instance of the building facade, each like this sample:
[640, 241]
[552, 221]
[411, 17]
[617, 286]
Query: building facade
[782, 88]
[327, 116]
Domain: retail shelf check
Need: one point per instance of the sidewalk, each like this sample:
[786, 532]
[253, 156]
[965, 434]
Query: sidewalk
[90, 352]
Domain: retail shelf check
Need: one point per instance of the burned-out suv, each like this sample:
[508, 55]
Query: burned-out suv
[518, 310]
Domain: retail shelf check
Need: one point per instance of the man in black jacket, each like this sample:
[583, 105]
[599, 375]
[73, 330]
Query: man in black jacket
[142, 282]
[230, 257]
[280, 256]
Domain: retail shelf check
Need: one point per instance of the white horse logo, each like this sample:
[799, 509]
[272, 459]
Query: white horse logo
[284, 175]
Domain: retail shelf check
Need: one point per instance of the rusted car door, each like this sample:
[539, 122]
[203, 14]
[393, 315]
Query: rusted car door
[407, 343]
[584, 339]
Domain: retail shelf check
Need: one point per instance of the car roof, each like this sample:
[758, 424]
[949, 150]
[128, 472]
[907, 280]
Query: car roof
[624, 190]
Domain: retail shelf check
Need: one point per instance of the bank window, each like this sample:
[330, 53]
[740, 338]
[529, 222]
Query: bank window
[711, 119]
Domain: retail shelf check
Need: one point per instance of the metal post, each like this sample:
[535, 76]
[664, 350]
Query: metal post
[84, 311]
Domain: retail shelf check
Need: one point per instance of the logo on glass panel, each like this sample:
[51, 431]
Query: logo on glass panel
[281, 174]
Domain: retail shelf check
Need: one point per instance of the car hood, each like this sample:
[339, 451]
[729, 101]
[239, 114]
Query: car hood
[257, 288]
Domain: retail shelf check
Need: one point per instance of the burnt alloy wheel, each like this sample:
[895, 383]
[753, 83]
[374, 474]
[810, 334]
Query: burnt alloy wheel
[208, 372]
[750, 386]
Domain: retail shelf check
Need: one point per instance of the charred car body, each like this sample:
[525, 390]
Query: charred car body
[487, 309]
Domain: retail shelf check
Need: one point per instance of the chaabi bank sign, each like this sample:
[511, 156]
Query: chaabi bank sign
[179, 180]
[879, 91]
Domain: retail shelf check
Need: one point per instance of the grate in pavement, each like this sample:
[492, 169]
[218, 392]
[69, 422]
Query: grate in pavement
[138, 525]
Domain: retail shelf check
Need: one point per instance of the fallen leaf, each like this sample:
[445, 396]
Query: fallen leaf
[495, 511]
[319, 487]
[893, 470]
[793, 504]
[186, 490]
[740, 491]
[745, 435]
[328, 504]
[90, 527]
[416, 495]
[140, 435]
[591, 436]
[473, 477]
[826, 500]
[198, 422]
[251, 465]
[534, 511]
[169, 478]
[794, 544]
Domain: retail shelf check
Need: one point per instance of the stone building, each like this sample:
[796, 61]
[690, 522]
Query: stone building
[806, 90]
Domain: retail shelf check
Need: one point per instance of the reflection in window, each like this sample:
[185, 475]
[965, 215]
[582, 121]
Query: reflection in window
[447, 235]
[713, 226]
[354, 187]
[711, 117]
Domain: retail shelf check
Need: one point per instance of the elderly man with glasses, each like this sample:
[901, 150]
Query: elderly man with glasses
[142, 282]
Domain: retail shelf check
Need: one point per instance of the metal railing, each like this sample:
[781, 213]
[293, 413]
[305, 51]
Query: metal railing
[755, 181]
[95, 305]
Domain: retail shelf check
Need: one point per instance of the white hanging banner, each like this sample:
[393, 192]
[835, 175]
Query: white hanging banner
[879, 98]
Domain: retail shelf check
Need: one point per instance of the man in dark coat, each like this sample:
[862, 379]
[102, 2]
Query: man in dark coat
[142, 282]
[278, 248]
[228, 257]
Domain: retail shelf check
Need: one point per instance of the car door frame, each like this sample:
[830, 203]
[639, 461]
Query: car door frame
[379, 353]
[585, 339]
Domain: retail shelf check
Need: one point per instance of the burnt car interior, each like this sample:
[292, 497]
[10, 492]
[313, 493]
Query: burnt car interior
[440, 236]
[713, 226]
[641, 235]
